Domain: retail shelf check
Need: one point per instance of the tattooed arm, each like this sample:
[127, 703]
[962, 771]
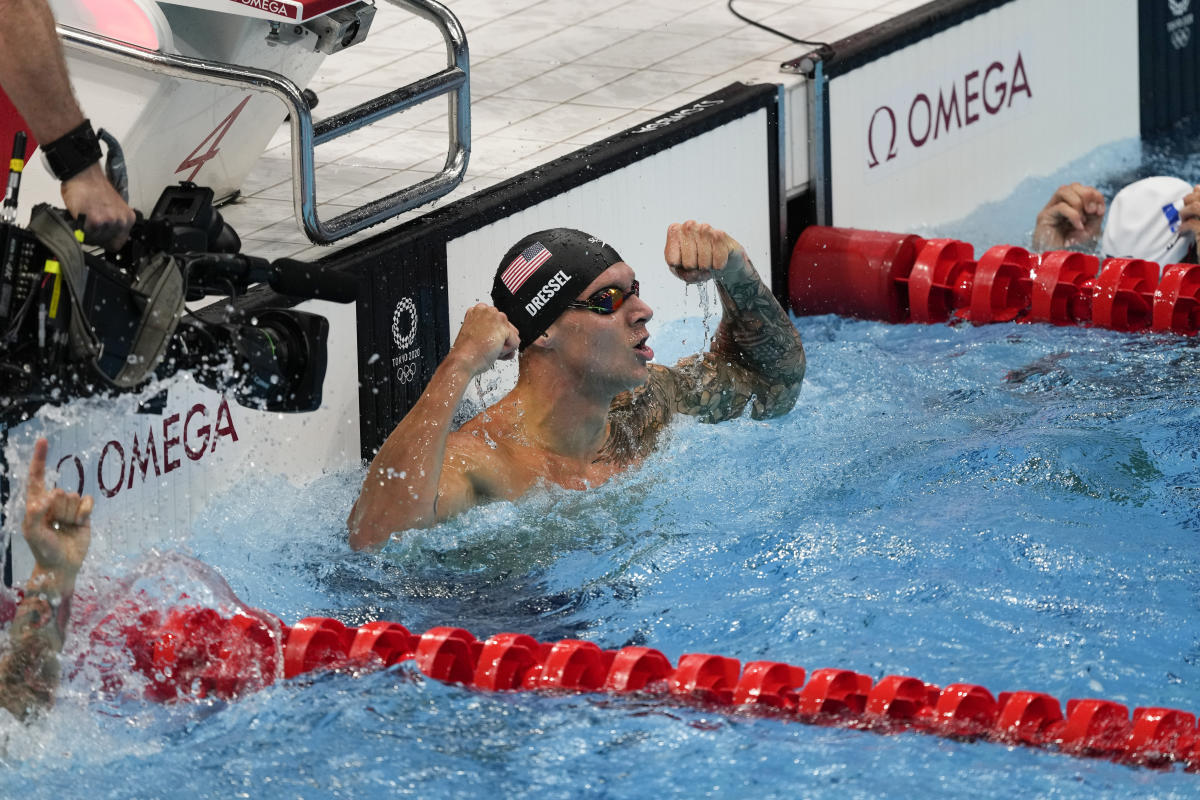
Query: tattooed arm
[58, 529]
[756, 355]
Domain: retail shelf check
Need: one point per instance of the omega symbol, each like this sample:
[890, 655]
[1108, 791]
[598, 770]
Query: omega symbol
[891, 148]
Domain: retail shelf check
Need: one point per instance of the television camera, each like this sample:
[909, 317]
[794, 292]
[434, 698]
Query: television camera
[76, 324]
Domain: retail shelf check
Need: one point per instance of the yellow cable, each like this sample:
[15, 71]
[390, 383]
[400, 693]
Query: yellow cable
[54, 269]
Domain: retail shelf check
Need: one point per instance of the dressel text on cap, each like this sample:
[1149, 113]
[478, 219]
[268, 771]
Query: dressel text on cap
[552, 287]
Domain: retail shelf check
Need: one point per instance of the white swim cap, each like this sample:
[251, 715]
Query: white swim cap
[1143, 220]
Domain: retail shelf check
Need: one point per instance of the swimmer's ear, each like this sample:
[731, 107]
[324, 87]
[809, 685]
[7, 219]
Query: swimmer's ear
[545, 341]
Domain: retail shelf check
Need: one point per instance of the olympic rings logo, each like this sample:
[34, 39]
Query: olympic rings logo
[406, 372]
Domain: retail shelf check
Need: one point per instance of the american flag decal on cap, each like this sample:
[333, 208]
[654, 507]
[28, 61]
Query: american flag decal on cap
[523, 266]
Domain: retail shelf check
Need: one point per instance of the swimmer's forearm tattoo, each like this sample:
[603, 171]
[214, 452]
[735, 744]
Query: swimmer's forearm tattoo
[708, 386]
[29, 672]
[714, 388]
[756, 331]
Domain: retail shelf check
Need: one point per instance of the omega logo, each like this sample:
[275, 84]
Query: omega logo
[193, 434]
[889, 124]
[945, 110]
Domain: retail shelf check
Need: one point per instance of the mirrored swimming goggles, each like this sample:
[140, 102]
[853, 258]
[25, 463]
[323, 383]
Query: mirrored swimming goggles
[606, 301]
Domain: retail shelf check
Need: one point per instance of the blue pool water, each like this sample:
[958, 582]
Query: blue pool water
[1014, 506]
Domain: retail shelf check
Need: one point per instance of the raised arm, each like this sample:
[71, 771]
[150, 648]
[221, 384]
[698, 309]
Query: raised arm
[411, 483]
[1070, 218]
[756, 354]
[58, 528]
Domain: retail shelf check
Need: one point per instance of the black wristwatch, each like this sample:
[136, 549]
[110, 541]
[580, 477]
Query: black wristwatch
[73, 152]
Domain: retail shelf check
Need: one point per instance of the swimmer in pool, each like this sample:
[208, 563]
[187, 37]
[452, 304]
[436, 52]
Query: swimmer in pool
[1156, 219]
[58, 528]
[588, 403]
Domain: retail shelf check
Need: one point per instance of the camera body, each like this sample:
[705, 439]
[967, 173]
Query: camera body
[273, 358]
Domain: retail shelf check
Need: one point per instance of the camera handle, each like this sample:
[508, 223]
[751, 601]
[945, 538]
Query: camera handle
[285, 275]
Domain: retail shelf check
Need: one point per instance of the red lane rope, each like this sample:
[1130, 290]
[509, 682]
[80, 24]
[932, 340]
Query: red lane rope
[903, 278]
[198, 653]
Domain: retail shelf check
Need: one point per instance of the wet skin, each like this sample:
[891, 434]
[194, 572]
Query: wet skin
[588, 402]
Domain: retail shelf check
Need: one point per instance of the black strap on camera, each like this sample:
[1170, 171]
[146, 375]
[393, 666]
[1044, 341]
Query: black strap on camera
[156, 291]
[73, 152]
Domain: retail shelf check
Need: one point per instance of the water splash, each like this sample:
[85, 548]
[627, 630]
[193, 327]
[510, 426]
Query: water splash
[916, 513]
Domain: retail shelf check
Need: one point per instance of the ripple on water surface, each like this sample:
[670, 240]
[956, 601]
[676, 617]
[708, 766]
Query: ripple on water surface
[1011, 505]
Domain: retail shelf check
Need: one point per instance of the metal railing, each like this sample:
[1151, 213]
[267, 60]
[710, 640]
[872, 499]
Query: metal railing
[454, 80]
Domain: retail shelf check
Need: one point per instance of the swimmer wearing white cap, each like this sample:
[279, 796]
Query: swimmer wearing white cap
[1155, 219]
[587, 404]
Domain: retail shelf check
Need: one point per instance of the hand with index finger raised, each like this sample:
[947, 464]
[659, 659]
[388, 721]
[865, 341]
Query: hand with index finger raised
[57, 524]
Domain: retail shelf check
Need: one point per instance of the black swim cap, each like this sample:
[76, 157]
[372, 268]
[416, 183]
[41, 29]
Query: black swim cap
[543, 273]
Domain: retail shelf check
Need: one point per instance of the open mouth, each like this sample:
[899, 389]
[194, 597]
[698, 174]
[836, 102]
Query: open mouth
[643, 349]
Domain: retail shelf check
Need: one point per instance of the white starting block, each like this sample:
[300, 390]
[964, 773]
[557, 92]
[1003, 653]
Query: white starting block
[195, 89]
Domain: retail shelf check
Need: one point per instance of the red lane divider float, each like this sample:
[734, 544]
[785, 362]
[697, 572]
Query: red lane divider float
[195, 652]
[896, 277]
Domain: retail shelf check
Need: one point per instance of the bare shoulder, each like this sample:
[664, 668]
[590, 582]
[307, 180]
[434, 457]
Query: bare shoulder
[637, 417]
[487, 459]
[474, 451]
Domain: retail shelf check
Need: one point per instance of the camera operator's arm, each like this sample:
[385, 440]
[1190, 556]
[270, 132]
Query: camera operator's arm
[58, 529]
[419, 476]
[34, 75]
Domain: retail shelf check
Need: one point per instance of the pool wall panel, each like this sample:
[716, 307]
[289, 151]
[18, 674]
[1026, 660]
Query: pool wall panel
[191, 442]
[932, 128]
[1169, 60]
